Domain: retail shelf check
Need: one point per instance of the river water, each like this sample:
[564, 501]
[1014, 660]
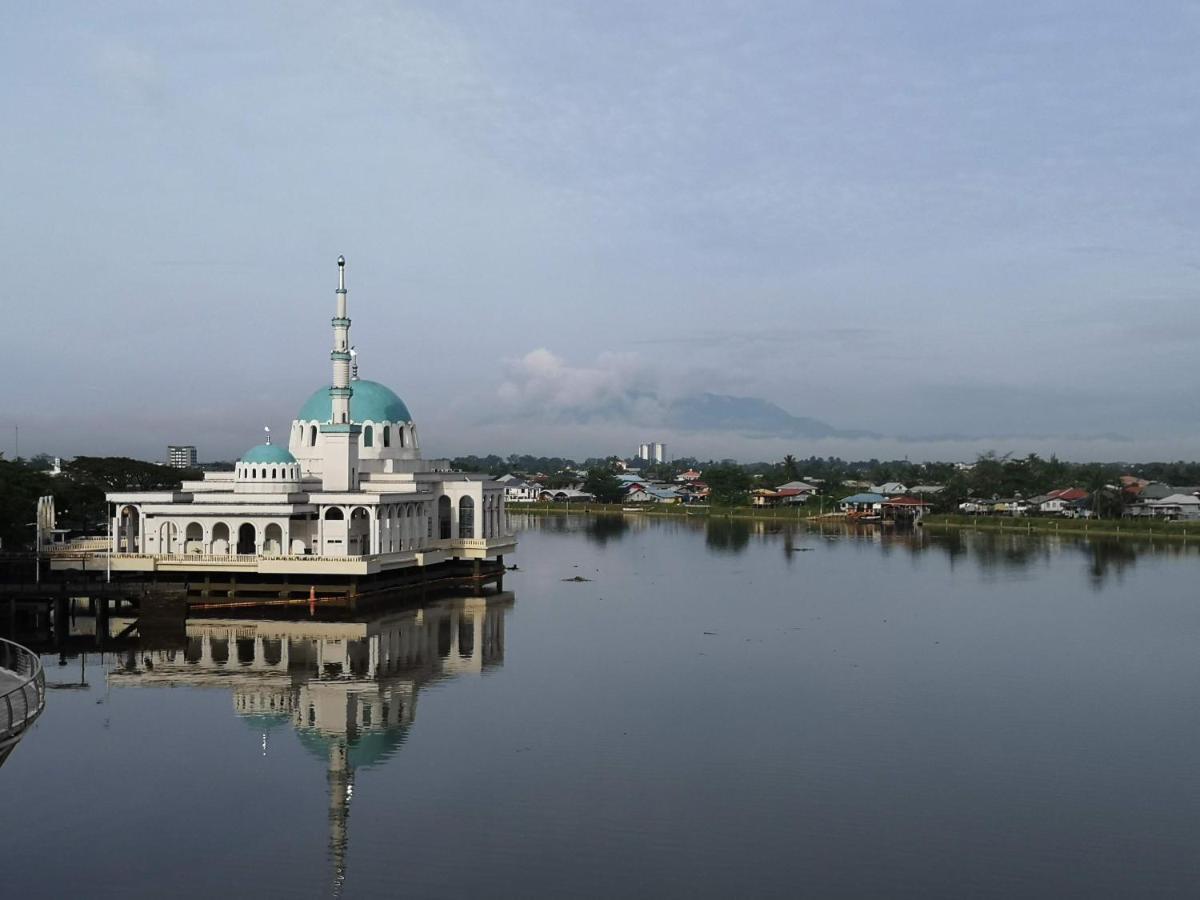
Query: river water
[720, 709]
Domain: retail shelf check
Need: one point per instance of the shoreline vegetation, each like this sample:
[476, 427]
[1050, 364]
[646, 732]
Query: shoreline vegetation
[1106, 528]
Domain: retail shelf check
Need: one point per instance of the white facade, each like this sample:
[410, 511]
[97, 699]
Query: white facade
[351, 495]
[516, 491]
[653, 451]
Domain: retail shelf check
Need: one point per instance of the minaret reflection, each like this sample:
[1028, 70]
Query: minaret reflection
[349, 689]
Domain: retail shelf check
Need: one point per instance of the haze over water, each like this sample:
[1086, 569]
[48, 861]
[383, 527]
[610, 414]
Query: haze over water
[721, 709]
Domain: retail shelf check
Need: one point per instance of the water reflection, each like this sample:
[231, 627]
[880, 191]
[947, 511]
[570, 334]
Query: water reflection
[995, 554]
[349, 689]
[729, 535]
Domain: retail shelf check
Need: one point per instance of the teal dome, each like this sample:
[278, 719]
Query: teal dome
[267, 453]
[370, 402]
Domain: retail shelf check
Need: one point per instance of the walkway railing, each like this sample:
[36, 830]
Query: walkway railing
[23, 701]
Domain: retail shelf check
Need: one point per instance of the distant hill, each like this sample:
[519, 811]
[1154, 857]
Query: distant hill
[752, 416]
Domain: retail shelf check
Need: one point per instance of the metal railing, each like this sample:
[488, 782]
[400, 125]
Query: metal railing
[21, 704]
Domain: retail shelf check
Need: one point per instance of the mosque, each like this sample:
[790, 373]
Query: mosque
[350, 496]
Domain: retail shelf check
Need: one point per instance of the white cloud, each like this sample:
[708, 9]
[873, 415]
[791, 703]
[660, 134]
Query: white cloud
[542, 385]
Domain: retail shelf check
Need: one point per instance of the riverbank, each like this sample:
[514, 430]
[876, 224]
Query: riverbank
[1117, 528]
[1108, 528]
[672, 510]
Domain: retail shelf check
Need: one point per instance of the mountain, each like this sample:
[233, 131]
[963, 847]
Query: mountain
[752, 416]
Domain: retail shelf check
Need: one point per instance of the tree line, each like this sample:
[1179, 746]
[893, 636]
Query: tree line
[78, 491]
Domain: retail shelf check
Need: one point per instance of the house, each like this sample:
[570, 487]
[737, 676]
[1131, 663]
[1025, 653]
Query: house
[1141, 504]
[1057, 502]
[518, 491]
[1176, 507]
[689, 475]
[792, 496]
[801, 486]
[651, 493]
[904, 509]
[1011, 506]
[866, 502]
[926, 490]
[889, 489]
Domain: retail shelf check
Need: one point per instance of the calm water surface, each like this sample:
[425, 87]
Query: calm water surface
[721, 710]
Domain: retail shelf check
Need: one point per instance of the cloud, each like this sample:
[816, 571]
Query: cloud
[541, 385]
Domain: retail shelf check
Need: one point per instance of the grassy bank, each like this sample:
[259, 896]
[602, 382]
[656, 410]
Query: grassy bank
[1129, 528]
[672, 510]
[1123, 528]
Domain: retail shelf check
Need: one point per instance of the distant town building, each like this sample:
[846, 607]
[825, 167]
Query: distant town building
[181, 456]
[653, 452]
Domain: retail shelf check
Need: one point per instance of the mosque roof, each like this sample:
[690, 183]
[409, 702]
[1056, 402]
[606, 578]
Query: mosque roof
[268, 453]
[371, 401]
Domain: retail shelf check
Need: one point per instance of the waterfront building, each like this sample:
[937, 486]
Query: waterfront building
[181, 456]
[349, 495]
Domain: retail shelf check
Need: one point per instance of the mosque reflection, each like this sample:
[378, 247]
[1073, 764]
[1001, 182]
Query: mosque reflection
[348, 688]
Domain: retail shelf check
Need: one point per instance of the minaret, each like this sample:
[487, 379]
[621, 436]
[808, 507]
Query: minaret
[340, 391]
[340, 469]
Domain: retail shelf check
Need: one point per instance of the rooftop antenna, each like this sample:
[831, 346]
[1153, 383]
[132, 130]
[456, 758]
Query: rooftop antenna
[267, 429]
[353, 364]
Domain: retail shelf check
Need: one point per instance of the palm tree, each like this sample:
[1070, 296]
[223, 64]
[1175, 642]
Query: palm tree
[790, 471]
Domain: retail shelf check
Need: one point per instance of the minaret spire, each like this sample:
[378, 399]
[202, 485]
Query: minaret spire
[340, 392]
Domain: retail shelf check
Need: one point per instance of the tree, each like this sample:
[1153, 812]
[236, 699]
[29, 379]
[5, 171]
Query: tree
[727, 484]
[603, 484]
[563, 479]
[790, 471]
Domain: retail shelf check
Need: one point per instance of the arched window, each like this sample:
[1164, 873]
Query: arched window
[443, 517]
[312, 435]
[273, 539]
[334, 514]
[466, 518]
[387, 435]
[274, 473]
[254, 473]
[368, 437]
[246, 538]
[400, 431]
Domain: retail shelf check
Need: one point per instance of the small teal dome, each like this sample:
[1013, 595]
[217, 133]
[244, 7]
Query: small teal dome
[371, 401]
[267, 453]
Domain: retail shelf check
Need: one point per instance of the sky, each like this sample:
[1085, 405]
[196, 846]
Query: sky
[939, 228]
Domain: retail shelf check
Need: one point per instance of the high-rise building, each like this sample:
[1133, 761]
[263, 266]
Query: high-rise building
[652, 451]
[181, 456]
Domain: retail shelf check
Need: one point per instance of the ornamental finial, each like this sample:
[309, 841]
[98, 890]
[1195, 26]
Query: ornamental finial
[341, 273]
[267, 429]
